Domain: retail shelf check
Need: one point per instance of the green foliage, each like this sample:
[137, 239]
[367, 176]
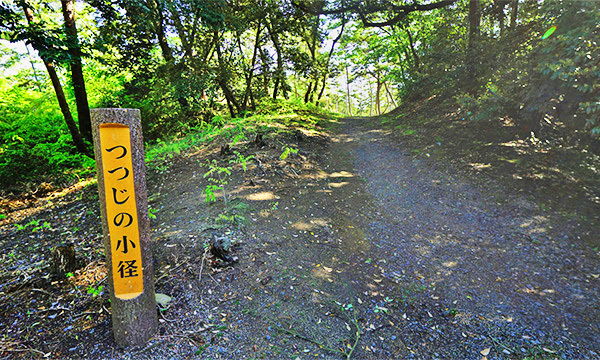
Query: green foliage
[286, 152]
[218, 176]
[34, 140]
[95, 291]
[570, 56]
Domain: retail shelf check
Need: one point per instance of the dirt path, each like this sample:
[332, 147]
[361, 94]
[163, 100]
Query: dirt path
[354, 234]
[481, 249]
[350, 248]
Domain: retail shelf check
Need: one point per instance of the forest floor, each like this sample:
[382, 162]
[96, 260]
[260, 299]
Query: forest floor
[377, 240]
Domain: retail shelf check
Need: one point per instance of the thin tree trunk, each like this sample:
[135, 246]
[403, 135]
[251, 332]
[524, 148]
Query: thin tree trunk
[390, 94]
[180, 31]
[307, 93]
[312, 45]
[279, 72]
[64, 108]
[160, 31]
[250, 75]
[326, 75]
[232, 104]
[83, 109]
[377, 94]
[499, 6]
[513, 15]
[370, 99]
[60, 95]
[348, 92]
[473, 47]
[412, 49]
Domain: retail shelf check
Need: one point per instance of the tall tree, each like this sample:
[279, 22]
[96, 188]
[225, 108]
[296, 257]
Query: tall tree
[473, 50]
[83, 108]
[36, 38]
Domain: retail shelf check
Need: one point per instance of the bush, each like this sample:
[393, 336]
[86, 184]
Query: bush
[34, 139]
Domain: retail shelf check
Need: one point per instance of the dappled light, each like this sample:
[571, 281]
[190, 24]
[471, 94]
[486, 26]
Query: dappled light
[261, 196]
[406, 179]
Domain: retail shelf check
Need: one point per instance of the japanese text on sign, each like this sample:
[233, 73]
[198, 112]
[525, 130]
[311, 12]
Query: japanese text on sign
[121, 210]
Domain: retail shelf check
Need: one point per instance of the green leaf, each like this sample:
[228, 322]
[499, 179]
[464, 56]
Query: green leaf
[162, 299]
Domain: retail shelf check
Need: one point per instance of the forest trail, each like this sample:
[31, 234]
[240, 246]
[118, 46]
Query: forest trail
[477, 246]
[353, 247]
[356, 231]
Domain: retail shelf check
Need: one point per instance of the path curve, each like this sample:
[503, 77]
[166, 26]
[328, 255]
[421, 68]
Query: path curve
[480, 247]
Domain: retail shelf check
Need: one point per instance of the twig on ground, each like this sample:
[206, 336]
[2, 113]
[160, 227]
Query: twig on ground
[54, 309]
[25, 350]
[164, 318]
[169, 271]
[43, 292]
[148, 347]
[202, 264]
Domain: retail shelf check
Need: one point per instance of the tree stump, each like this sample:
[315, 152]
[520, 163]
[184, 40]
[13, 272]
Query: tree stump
[64, 260]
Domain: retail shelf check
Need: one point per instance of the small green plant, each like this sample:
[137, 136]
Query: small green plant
[152, 213]
[234, 219]
[45, 225]
[217, 183]
[33, 223]
[95, 291]
[69, 274]
[3, 216]
[286, 152]
[242, 160]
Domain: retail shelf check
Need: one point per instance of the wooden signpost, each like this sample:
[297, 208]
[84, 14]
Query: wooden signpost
[119, 150]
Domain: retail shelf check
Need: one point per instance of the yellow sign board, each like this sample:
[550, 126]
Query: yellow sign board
[121, 211]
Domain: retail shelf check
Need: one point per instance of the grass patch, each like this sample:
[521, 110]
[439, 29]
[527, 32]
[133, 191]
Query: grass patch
[287, 118]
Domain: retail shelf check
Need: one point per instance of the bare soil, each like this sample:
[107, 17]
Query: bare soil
[355, 247]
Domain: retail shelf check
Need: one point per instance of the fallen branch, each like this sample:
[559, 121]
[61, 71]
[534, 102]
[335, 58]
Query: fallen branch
[43, 292]
[25, 350]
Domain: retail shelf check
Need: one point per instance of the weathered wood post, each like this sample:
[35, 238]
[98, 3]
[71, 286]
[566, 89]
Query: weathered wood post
[119, 149]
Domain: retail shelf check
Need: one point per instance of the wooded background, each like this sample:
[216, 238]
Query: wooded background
[189, 62]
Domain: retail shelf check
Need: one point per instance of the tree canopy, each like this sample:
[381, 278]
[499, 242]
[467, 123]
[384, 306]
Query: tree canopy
[184, 62]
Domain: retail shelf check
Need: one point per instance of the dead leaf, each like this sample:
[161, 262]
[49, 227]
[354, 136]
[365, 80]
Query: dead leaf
[485, 351]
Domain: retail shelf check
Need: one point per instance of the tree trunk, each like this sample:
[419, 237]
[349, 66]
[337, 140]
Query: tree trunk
[391, 97]
[412, 49]
[279, 73]
[474, 22]
[326, 75]
[160, 31]
[377, 94]
[513, 15]
[250, 74]
[473, 54]
[312, 46]
[370, 99]
[60, 95]
[499, 6]
[348, 92]
[180, 31]
[83, 109]
[232, 104]
[64, 108]
[307, 93]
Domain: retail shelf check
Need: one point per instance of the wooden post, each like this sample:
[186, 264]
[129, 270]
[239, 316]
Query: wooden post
[119, 150]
